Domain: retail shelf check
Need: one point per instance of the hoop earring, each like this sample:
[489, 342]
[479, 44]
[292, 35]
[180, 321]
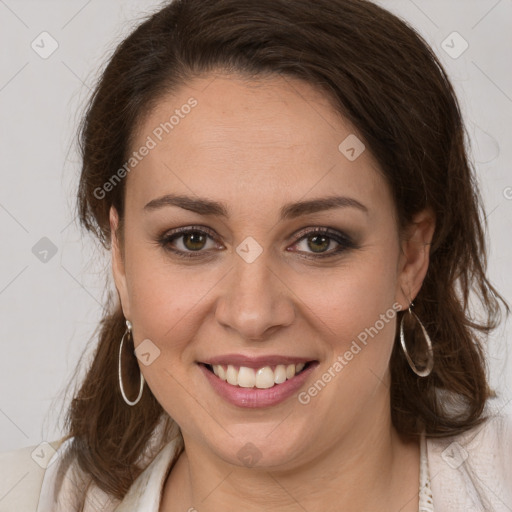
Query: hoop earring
[430, 361]
[121, 387]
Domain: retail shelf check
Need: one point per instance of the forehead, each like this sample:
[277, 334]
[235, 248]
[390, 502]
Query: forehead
[240, 141]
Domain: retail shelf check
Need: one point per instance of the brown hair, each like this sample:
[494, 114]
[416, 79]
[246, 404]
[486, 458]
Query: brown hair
[384, 79]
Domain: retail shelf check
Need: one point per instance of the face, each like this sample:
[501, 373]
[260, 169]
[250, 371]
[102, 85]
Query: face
[249, 269]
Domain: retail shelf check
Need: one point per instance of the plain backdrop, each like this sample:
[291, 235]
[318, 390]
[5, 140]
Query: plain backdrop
[52, 277]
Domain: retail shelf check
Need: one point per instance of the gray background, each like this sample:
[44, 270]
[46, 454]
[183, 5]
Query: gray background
[50, 303]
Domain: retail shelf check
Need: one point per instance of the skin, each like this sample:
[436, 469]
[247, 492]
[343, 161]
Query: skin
[256, 145]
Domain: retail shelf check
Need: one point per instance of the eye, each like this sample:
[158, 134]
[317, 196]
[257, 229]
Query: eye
[319, 240]
[188, 242]
[192, 242]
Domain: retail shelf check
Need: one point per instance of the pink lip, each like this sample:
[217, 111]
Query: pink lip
[254, 362]
[253, 397]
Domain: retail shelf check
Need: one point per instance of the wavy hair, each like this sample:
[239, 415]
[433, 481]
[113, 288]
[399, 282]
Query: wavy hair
[384, 79]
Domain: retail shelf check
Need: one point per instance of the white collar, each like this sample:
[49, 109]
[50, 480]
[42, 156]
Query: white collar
[145, 494]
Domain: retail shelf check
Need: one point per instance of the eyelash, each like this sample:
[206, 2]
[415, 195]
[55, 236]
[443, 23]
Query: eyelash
[344, 241]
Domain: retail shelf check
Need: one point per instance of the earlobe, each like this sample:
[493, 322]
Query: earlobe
[415, 256]
[118, 266]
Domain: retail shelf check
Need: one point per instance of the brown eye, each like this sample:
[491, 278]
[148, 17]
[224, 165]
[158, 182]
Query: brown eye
[194, 241]
[188, 242]
[318, 243]
[323, 242]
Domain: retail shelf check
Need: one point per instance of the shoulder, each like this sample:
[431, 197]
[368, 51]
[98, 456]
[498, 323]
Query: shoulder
[473, 470]
[21, 475]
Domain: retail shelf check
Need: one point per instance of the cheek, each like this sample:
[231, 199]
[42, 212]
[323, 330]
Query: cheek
[357, 319]
[355, 307]
[162, 295]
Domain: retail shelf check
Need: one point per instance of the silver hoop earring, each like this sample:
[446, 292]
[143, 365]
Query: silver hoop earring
[430, 359]
[121, 387]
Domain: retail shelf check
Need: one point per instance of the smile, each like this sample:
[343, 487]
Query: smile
[256, 382]
[261, 378]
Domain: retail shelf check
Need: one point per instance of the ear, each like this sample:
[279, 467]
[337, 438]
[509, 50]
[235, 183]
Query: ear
[414, 256]
[118, 267]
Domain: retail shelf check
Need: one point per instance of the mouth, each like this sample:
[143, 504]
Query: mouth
[257, 381]
[262, 377]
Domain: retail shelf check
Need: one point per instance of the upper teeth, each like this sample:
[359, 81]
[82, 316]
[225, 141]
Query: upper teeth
[261, 378]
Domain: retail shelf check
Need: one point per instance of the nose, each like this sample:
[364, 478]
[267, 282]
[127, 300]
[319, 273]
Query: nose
[254, 300]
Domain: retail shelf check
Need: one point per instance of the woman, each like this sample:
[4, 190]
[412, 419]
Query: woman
[295, 233]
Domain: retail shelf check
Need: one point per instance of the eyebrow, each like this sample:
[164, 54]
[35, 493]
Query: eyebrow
[204, 206]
